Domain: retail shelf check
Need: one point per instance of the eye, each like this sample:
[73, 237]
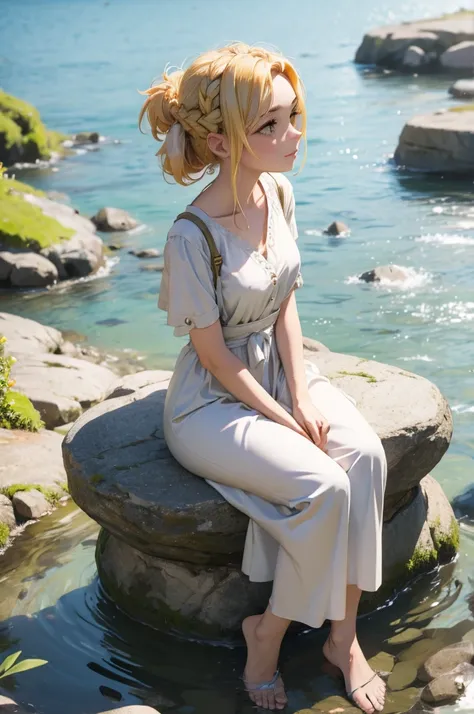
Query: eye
[268, 128]
[295, 118]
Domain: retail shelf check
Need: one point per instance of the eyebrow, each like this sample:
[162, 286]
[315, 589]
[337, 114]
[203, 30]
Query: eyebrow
[279, 106]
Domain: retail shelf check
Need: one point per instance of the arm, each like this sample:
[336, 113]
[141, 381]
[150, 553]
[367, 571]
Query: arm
[289, 339]
[232, 373]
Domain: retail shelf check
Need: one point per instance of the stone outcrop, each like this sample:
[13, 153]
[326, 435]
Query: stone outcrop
[171, 546]
[385, 273]
[44, 241]
[442, 142]
[429, 45]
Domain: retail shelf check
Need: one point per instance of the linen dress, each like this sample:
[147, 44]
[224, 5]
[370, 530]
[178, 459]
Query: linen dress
[315, 518]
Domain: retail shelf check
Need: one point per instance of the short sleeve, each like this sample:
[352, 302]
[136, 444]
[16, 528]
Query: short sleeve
[187, 288]
[288, 204]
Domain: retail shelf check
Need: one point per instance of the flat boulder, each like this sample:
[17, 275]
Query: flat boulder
[31, 270]
[459, 57]
[122, 474]
[441, 142]
[61, 387]
[391, 45]
[31, 459]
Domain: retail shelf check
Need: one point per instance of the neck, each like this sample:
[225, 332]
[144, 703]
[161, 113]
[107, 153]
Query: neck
[247, 190]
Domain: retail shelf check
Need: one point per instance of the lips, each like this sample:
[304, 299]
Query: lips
[293, 153]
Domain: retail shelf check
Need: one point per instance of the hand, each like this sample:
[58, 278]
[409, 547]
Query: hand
[313, 423]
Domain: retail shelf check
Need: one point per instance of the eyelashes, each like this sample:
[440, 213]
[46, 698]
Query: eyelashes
[269, 128]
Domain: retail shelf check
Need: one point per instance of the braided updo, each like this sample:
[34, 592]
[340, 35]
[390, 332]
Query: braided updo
[223, 91]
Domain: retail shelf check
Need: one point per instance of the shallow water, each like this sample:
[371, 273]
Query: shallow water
[81, 63]
[53, 607]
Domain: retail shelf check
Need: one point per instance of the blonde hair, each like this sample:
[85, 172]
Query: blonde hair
[223, 91]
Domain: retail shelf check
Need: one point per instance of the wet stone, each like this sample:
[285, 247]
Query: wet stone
[411, 634]
[450, 686]
[396, 702]
[382, 662]
[30, 504]
[446, 659]
[404, 674]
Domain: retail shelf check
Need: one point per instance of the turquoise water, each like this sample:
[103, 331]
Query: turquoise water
[82, 62]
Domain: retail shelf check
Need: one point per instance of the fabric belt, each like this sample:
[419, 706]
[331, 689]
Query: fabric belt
[257, 335]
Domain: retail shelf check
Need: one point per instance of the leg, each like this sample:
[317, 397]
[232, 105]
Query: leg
[263, 635]
[300, 497]
[355, 447]
[343, 650]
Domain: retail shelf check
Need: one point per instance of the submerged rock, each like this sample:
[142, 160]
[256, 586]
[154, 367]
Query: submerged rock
[442, 142]
[162, 525]
[388, 46]
[463, 504]
[113, 219]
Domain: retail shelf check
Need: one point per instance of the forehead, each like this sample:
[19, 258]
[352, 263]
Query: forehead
[283, 92]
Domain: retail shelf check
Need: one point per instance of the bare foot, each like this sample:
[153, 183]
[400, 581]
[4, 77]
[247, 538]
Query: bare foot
[262, 661]
[369, 692]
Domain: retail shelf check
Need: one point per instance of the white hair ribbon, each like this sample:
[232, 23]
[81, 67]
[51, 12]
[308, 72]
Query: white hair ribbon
[174, 143]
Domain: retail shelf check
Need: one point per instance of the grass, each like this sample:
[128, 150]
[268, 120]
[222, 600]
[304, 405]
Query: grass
[25, 415]
[51, 494]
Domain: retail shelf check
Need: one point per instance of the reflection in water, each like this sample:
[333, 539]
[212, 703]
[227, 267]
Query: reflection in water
[52, 606]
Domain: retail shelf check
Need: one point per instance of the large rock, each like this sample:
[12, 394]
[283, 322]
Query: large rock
[442, 142]
[61, 387]
[31, 270]
[142, 495]
[26, 336]
[459, 57]
[463, 504]
[212, 600]
[7, 514]
[445, 660]
[387, 46]
[30, 504]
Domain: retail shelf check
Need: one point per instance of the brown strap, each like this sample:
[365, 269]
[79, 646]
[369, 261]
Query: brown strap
[281, 193]
[216, 257]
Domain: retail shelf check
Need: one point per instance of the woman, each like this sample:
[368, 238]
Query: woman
[243, 409]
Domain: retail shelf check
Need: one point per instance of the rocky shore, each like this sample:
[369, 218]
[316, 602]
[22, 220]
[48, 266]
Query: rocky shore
[442, 44]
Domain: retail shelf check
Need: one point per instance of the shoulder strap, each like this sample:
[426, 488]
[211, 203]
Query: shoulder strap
[281, 193]
[216, 257]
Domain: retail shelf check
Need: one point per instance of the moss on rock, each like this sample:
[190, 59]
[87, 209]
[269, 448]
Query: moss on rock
[23, 136]
[52, 495]
[23, 224]
[4, 534]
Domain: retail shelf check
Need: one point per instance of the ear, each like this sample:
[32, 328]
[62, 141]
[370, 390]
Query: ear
[219, 145]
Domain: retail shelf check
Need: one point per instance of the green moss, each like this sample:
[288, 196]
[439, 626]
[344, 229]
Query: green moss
[21, 124]
[462, 108]
[4, 534]
[24, 225]
[96, 479]
[421, 560]
[51, 494]
[447, 544]
[365, 375]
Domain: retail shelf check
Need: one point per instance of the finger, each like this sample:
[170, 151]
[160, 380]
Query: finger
[324, 435]
[314, 432]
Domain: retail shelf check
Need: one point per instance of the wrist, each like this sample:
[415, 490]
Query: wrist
[300, 397]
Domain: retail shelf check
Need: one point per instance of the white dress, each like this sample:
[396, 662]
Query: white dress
[315, 518]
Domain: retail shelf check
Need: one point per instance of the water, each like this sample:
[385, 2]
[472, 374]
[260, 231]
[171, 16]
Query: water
[81, 63]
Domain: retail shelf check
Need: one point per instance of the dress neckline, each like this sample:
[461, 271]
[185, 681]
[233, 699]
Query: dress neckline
[243, 241]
